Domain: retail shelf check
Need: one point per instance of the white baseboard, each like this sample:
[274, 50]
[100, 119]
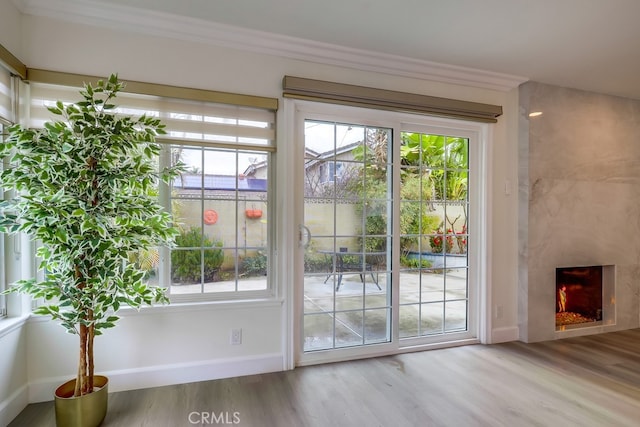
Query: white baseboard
[13, 405]
[182, 373]
[507, 334]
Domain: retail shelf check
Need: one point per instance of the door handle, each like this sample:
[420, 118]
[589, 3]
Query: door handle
[304, 230]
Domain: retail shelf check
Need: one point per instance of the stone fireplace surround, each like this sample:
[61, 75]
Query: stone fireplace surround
[579, 203]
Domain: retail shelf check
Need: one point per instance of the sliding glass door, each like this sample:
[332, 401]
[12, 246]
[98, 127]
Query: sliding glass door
[347, 215]
[434, 235]
[386, 233]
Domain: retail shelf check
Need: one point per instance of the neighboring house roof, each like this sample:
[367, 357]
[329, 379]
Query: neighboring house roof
[311, 156]
[253, 167]
[219, 182]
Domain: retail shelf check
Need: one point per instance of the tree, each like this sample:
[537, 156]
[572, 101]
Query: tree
[447, 161]
[84, 187]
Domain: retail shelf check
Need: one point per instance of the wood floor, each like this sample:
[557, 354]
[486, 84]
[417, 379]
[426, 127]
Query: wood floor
[584, 381]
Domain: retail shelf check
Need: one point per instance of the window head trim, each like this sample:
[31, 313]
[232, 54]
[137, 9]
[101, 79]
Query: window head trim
[382, 99]
[13, 64]
[166, 91]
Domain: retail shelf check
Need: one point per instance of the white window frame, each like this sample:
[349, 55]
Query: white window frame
[267, 293]
[479, 135]
[8, 106]
[189, 129]
[3, 284]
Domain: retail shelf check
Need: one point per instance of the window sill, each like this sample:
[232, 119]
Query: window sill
[10, 324]
[177, 307]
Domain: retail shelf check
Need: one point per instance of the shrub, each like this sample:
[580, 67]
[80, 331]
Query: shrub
[255, 265]
[414, 262]
[186, 263]
[314, 262]
[438, 239]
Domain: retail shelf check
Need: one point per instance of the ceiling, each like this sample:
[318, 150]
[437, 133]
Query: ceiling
[585, 44]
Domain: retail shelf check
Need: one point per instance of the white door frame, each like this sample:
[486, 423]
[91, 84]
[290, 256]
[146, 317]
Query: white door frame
[290, 248]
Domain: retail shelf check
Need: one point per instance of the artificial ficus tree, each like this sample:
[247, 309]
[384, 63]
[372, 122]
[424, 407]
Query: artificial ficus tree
[84, 188]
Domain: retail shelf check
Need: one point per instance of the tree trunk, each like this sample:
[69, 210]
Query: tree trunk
[82, 363]
[91, 335]
[84, 379]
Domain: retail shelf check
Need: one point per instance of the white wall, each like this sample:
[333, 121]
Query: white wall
[180, 344]
[13, 370]
[13, 366]
[10, 28]
[162, 345]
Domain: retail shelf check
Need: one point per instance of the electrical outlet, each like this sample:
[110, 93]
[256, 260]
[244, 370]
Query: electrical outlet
[236, 336]
[499, 312]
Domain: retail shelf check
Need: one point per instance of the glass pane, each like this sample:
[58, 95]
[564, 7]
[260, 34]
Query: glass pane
[221, 163]
[253, 263]
[317, 263]
[456, 184]
[318, 292]
[185, 288]
[318, 331]
[409, 320]
[457, 287]
[253, 271]
[376, 328]
[436, 184]
[376, 298]
[186, 264]
[456, 316]
[319, 219]
[440, 243]
[252, 227]
[187, 214]
[148, 261]
[433, 285]
[457, 151]
[349, 328]
[191, 157]
[431, 319]
[409, 287]
[347, 222]
[375, 263]
[324, 246]
[377, 147]
[319, 137]
[213, 260]
[349, 299]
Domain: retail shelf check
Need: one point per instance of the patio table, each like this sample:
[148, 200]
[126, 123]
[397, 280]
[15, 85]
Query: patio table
[360, 268]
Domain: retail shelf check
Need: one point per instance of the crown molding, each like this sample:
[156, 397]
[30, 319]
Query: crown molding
[148, 22]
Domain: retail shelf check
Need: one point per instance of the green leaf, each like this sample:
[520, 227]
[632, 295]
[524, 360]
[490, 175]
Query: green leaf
[89, 214]
[55, 110]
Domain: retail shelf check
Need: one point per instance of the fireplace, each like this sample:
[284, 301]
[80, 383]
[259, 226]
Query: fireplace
[578, 296]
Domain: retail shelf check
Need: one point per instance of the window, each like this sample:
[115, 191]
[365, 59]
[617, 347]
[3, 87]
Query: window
[3, 305]
[7, 99]
[221, 206]
[220, 203]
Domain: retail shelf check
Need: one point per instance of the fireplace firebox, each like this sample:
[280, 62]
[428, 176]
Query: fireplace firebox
[578, 295]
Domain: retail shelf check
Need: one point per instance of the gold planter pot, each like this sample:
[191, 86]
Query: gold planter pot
[84, 411]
